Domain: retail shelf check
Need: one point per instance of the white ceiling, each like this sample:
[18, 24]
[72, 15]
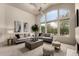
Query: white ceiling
[31, 7]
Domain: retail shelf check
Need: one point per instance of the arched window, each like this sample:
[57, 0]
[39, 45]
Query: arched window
[52, 23]
[52, 15]
[56, 21]
[63, 12]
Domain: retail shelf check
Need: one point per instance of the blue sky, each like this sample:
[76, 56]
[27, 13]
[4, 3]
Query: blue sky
[54, 15]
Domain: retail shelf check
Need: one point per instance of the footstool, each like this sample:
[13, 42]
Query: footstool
[48, 51]
[56, 45]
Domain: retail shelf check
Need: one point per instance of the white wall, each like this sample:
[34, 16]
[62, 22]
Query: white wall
[77, 34]
[76, 6]
[2, 22]
[71, 7]
[13, 14]
[9, 14]
[77, 28]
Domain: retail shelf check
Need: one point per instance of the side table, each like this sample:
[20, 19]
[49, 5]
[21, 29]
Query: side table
[10, 41]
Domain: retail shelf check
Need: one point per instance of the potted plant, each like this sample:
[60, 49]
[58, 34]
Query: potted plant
[35, 29]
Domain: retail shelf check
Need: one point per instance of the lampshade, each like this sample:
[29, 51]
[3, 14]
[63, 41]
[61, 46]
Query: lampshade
[10, 31]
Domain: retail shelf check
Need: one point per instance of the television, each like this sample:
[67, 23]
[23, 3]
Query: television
[77, 21]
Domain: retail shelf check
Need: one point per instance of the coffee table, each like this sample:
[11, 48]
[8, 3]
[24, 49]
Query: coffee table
[33, 44]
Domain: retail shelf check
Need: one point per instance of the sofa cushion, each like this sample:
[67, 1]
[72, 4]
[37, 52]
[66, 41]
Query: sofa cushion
[46, 34]
[46, 37]
[17, 35]
[40, 34]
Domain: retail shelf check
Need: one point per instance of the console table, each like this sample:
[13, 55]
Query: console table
[31, 45]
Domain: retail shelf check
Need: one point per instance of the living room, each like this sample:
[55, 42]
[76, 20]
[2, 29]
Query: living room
[38, 29]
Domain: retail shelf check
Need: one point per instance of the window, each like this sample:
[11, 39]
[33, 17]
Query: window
[43, 28]
[64, 27]
[64, 21]
[52, 27]
[42, 20]
[52, 15]
[63, 13]
[55, 18]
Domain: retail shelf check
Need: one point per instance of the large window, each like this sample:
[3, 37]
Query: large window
[52, 15]
[43, 28]
[56, 20]
[52, 27]
[42, 22]
[64, 21]
[64, 26]
[52, 23]
[63, 13]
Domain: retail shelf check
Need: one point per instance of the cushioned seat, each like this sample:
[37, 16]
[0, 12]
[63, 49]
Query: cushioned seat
[48, 51]
[47, 37]
[56, 44]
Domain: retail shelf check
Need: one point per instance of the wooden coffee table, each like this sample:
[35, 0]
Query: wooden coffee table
[33, 44]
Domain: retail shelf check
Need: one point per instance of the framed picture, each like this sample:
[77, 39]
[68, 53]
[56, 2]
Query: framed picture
[17, 26]
[25, 27]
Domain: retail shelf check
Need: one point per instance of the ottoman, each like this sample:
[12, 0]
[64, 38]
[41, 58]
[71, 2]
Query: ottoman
[56, 45]
[48, 51]
[32, 45]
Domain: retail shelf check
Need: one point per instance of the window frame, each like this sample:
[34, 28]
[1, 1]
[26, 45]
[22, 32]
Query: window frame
[58, 20]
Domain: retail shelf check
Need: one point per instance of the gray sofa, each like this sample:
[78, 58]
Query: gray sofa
[18, 40]
[47, 37]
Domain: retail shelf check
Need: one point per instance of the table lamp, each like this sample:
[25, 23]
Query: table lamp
[10, 32]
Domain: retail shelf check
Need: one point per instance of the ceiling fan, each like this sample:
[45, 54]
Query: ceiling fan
[38, 6]
[40, 9]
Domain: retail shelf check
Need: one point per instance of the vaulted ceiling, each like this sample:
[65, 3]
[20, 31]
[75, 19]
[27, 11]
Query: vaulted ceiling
[31, 7]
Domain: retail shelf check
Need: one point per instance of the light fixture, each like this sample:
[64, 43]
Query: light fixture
[10, 32]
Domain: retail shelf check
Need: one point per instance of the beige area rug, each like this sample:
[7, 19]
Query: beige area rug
[20, 50]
